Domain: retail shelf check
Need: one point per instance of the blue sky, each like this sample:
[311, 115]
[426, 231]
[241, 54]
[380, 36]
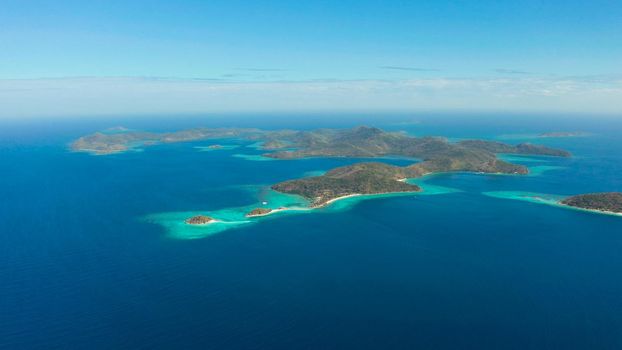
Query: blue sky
[414, 51]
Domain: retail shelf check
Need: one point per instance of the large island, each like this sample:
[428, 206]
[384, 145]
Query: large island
[357, 179]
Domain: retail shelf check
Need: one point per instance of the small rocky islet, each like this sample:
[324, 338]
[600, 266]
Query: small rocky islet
[258, 212]
[199, 220]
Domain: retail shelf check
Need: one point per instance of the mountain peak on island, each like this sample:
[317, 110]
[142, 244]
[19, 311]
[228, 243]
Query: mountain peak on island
[366, 131]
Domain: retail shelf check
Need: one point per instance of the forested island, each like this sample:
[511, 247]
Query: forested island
[361, 178]
[610, 202]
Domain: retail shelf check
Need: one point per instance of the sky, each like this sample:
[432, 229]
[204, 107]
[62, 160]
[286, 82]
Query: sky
[96, 57]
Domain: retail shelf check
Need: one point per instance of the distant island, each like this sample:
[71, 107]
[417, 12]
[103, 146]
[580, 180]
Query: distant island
[564, 134]
[609, 202]
[437, 155]
[106, 143]
[361, 141]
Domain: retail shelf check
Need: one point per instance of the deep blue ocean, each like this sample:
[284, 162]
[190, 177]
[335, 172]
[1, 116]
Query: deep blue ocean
[81, 269]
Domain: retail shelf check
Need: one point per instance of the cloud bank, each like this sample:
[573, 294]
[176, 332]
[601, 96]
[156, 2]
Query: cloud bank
[120, 95]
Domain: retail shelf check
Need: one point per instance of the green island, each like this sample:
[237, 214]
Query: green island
[610, 202]
[356, 179]
[430, 155]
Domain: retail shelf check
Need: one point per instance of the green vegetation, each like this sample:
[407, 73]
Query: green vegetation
[606, 201]
[374, 178]
[361, 178]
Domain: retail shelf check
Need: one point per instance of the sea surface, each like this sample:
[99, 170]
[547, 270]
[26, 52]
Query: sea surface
[87, 260]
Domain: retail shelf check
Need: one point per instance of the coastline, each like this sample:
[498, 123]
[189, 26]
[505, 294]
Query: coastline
[229, 218]
[278, 210]
[331, 201]
[595, 211]
[95, 152]
[545, 199]
[327, 203]
[352, 195]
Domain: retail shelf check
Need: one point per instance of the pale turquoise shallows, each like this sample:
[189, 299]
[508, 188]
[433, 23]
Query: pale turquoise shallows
[212, 148]
[284, 204]
[542, 198]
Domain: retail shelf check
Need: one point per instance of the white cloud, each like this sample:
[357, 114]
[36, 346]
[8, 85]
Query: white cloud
[108, 96]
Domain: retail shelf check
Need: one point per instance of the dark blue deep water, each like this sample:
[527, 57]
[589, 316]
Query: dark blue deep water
[79, 269]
